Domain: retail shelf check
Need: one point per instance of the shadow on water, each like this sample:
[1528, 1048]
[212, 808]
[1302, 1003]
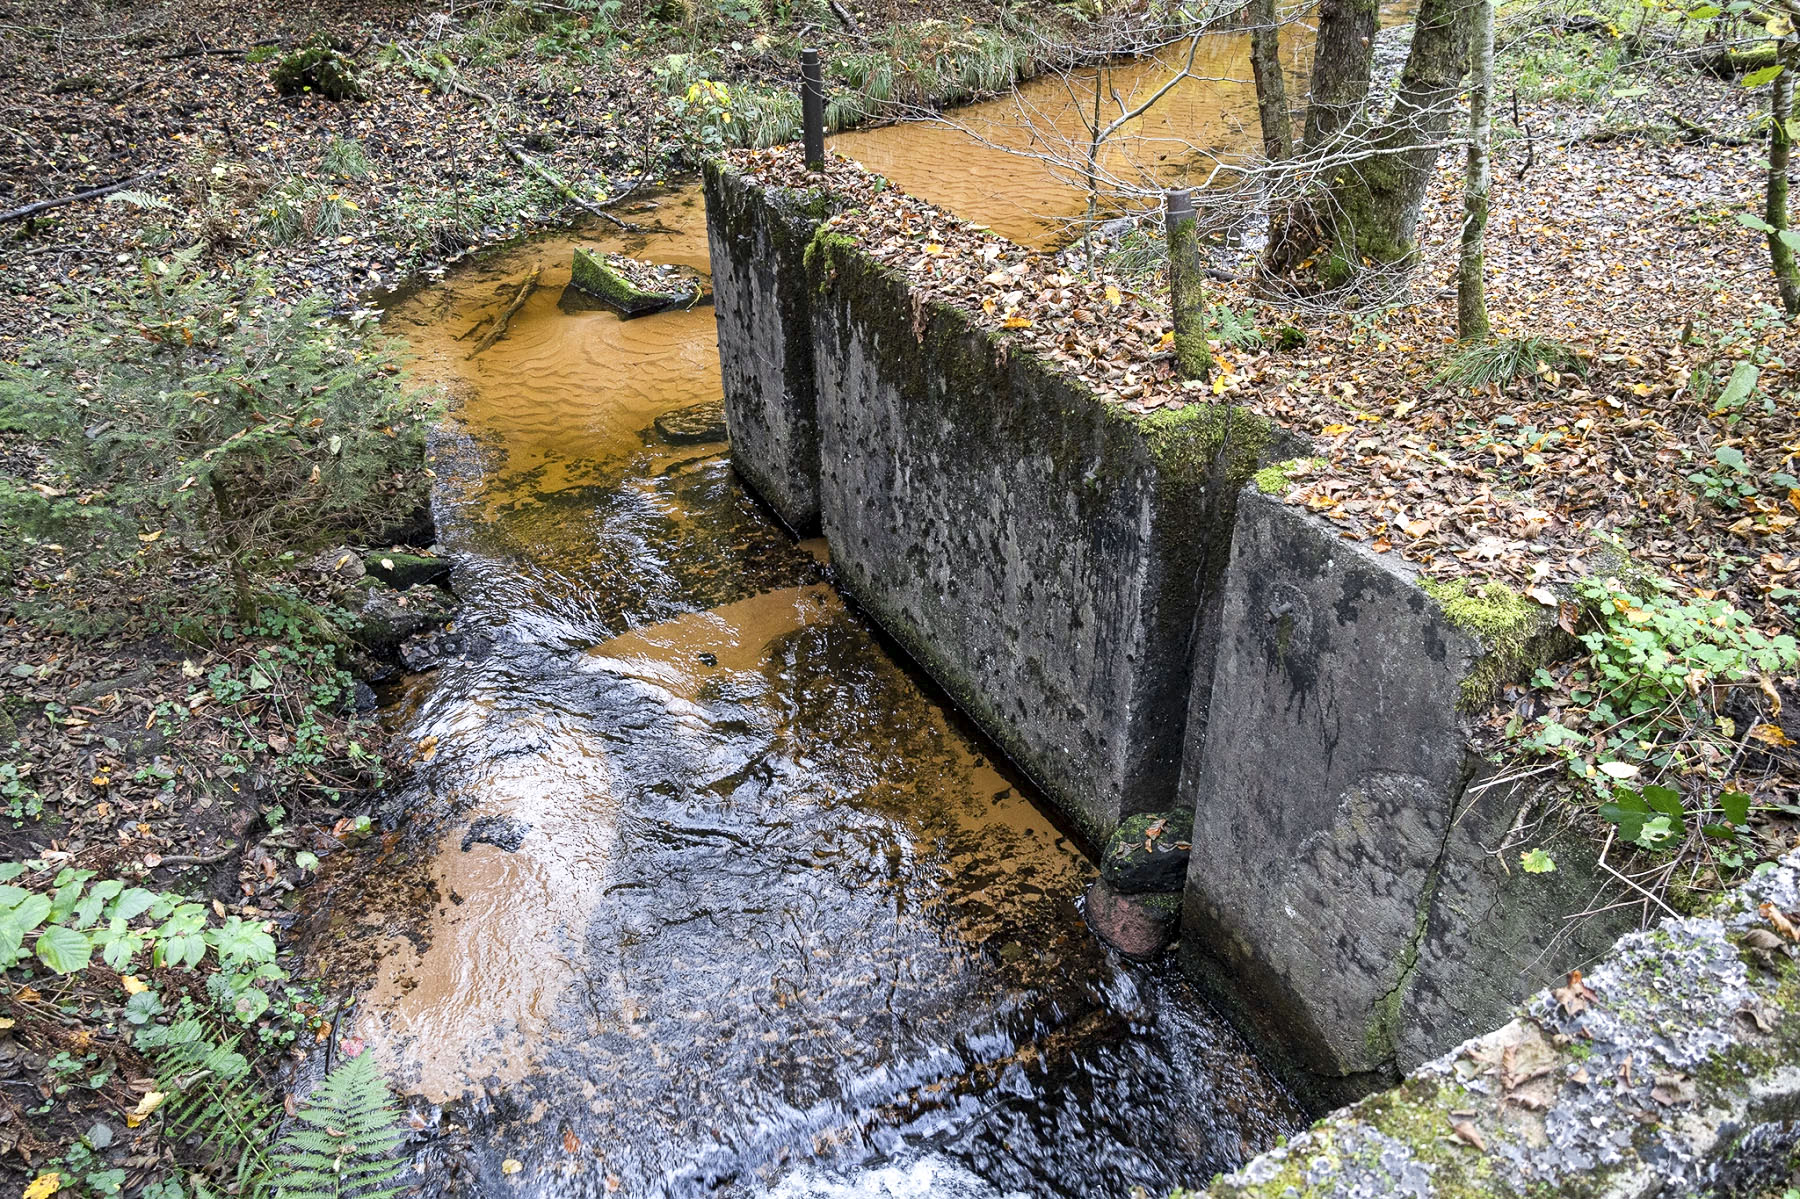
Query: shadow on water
[703, 892]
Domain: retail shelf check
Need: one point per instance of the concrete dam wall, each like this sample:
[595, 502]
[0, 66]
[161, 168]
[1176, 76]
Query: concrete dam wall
[1144, 631]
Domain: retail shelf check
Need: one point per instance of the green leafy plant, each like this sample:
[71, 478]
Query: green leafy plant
[347, 1138]
[196, 410]
[1644, 703]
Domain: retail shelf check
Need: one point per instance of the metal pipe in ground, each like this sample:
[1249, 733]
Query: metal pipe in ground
[812, 109]
[1187, 286]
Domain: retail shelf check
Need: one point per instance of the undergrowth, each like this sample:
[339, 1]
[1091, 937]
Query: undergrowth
[200, 999]
[1665, 722]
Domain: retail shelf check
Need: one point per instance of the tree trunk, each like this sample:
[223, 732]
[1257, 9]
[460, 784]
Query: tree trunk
[234, 552]
[1775, 208]
[1372, 211]
[1343, 57]
[1271, 85]
[1471, 296]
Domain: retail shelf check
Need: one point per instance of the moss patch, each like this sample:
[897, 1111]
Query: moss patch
[1186, 441]
[1276, 478]
[1516, 634]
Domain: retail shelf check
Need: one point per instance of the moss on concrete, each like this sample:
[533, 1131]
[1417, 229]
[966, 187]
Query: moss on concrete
[1516, 634]
[1277, 477]
[1187, 441]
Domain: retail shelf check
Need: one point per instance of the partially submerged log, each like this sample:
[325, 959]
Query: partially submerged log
[518, 301]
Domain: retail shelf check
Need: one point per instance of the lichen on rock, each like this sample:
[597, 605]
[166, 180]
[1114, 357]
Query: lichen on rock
[1669, 1070]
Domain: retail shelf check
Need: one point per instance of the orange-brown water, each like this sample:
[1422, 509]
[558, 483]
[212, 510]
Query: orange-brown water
[717, 896]
[1016, 163]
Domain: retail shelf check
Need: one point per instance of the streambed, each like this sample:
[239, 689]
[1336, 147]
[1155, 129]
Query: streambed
[704, 891]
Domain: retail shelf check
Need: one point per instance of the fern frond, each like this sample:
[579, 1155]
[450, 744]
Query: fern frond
[346, 1142]
[215, 1106]
[138, 199]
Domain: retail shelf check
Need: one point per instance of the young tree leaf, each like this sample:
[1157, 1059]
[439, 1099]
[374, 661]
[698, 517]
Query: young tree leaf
[1536, 861]
[1666, 800]
[63, 949]
[1761, 76]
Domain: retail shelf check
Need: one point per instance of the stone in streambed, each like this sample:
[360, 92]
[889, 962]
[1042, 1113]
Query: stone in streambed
[694, 424]
[1148, 852]
[1138, 926]
[386, 617]
[401, 571]
[632, 288]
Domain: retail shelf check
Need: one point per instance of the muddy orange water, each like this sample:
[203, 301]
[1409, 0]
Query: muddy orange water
[1014, 164]
[703, 891]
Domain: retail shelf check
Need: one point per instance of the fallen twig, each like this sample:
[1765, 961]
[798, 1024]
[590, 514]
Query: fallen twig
[563, 189]
[93, 193]
[518, 301]
[843, 14]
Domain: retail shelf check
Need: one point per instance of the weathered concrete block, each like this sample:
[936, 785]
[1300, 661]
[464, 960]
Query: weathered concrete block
[758, 238]
[1348, 896]
[1670, 1070]
[1043, 554]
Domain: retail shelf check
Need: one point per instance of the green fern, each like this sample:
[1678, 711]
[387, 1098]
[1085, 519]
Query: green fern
[347, 1140]
[1234, 328]
[214, 1102]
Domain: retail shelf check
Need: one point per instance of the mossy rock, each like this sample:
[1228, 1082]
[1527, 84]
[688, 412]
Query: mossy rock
[401, 571]
[386, 617]
[319, 69]
[695, 424]
[604, 277]
[1148, 853]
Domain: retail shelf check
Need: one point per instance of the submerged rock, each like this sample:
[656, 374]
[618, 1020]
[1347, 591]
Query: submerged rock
[1148, 852]
[1138, 926]
[502, 832]
[694, 424]
[634, 288]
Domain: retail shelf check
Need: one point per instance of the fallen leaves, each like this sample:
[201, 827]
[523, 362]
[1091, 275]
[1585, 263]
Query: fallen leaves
[1575, 996]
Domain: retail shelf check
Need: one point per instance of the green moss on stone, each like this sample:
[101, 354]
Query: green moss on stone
[594, 275]
[1186, 441]
[1276, 478]
[1516, 634]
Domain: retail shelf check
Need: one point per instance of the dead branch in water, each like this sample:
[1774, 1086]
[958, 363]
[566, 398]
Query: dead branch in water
[518, 301]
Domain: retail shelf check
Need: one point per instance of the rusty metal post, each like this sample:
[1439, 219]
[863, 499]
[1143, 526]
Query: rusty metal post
[812, 109]
[1187, 288]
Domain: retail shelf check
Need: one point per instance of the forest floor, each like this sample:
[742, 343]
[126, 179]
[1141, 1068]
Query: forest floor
[146, 751]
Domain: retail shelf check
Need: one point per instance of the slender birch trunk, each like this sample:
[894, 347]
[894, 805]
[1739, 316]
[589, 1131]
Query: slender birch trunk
[1775, 207]
[1471, 295]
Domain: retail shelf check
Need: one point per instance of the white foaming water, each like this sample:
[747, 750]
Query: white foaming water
[925, 1178]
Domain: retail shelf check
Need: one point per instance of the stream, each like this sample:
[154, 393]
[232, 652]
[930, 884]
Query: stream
[703, 890]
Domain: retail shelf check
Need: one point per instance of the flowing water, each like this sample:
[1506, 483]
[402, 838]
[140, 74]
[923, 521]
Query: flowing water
[705, 891]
